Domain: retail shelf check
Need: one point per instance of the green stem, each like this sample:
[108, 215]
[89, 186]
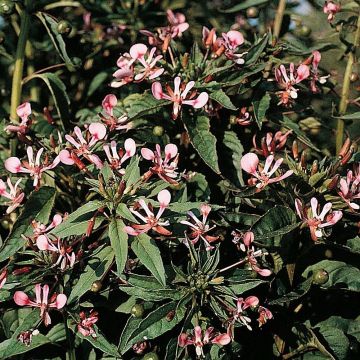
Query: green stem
[19, 63]
[344, 101]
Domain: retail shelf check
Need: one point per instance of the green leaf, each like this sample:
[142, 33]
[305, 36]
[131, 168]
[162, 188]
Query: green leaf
[119, 243]
[148, 253]
[76, 223]
[142, 104]
[97, 266]
[38, 207]
[220, 97]
[96, 82]
[59, 94]
[203, 140]
[196, 54]
[125, 213]
[341, 275]
[278, 221]
[254, 53]
[157, 322]
[132, 172]
[51, 27]
[244, 5]
[260, 109]
[353, 116]
[151, 295]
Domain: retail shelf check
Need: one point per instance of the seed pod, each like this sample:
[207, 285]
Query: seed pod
[295, 150]
[320, 277]
[137, 310]
[345, 148]
[314, 167]
[64, 27]
[158, 130]
[333, 183]
[96, 286]
[151, 356]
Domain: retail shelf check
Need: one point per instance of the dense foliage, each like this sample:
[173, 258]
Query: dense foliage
[179, 179]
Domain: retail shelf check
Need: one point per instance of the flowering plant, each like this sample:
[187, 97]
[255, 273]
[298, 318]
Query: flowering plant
[186, 187]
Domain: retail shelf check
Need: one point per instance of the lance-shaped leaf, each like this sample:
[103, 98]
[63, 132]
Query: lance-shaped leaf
[244, 5]
[203, 140]
[38, 207]
[220, 97]
[149, 255]
[260, 108]
[119, 243]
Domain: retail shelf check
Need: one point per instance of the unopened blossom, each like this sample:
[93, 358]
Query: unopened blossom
[25, 337]
[125, 73]
[264, 315]
[41, 301]
[117, 158]
[244, 117]
[34, 167]
[3, 277]
[84, 147]
[199, 340]
[198, 229]
[86, 324]
[239, 314]
[287, 82]
[14, 195]
[247, 247]
[331, 9]
[271, 143]
[209, 38]
[23, 111]
[41, 229]
[314, 71]
[317, 221]
[262, 176]
[232, 40]
[66, 255]
[349, 188]
[165, 167]
[181, 95]
[151, 221]
[177, 22]
[112, 122]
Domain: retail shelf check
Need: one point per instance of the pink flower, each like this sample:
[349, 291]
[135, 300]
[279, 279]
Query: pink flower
[125, 74]
[231, 41]
[23, 111]
[165, 167]
[177, 23]
[287, 83]
[209, 38]
[199, 229]
[25, 337]
[349, 188]
[179, 95]
[15, 195]
[82, 147]
[316, 57]
[317, 221]
[108, 104]
[66, 256]
[151, 221]
[41, 229]
[31, 167]
[42, 301]
[244, 117]
[271, 143]
[121, 123]
[247, 247]
[3, 277]
[86, 324]
[262, 176]
[116, 159]
[330, 8]
[264, 315]
[239, 313]
[199, 340]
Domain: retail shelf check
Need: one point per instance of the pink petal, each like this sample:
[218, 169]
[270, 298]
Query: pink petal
[251, 301]
[98, 130]
[109, 103]
[13, 164]
[157, 91]
[235, 38]
[138, 50]
[21, 298]
[130, 146]
[60, 301]
[248, 238]
[57, 219]
[164, 198]
[171, 151]
[222, 339]
[147, 154]
[23, 110]
[303, 72]
[42, 243]
[201, 100]
[129, 230]
[249, 163]
[65, 157]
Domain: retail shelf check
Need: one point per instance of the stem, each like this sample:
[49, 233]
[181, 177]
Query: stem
[233, 265]
[300, 350]
[19, 62]
[344, 101]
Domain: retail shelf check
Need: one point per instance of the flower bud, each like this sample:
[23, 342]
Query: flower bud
[96, 286]
[7, 7]
[295, 150]
[345, 148]
[333, 183]
[137, 310]
[320, 277]
[64, 27]
[158, 130]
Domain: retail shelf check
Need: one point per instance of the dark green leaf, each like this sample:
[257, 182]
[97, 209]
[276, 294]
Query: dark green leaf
[220, 97]
[260, 109]
[119, 243]
[244, 5]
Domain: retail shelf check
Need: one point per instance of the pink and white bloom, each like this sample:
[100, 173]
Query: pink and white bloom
[316, 57]
[199, 340]
[331, 9]
[108, 104]
[151, 220]
[264, 315]
[83, 147]
[66, 256]
[165, 167]
[23, 111]
[271, 143]
[198, 229]
[41, 229]
[33, 167]
[239, 314]
[248, 248]
[14, 195]
[180, 95]
[177, 23]
[86, 323]
[287, 83]
[115, 158]
[113, 123]
[317, 222]
[349, 188]
[244, 118]
[3, 277]
[231, 41]
[42, 301]
[262, 176]
[125, 73]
